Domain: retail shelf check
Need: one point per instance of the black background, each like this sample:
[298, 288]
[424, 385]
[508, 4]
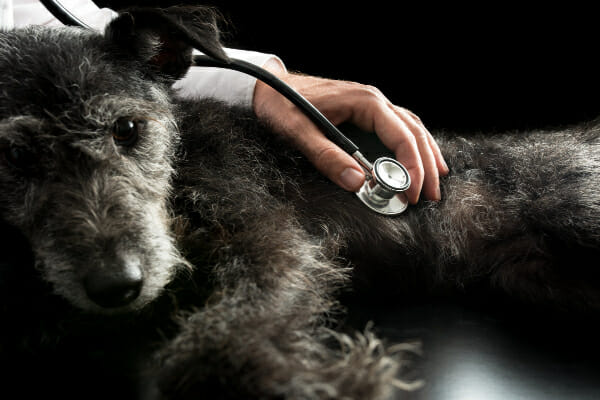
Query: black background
[489, 67]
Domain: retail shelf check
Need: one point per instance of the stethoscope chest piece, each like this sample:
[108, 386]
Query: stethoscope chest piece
[384, 192]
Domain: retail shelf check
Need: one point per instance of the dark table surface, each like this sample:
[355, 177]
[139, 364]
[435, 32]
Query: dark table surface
[479, 350]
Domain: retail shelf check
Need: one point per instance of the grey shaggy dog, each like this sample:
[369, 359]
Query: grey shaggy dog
[157, 248]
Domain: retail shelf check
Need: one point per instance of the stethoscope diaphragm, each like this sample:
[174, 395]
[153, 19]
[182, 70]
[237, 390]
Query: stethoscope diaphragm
[383, 191]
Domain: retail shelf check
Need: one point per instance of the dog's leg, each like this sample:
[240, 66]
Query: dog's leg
[262, 333]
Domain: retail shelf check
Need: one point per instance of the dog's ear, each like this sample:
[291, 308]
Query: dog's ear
[163, 39]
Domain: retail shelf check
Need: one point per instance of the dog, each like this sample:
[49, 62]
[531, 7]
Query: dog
[170, 249]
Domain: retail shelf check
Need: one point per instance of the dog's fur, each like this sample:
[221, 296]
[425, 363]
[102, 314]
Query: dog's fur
[241, 245]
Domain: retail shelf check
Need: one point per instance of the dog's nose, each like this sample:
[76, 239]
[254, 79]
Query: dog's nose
[110, 288]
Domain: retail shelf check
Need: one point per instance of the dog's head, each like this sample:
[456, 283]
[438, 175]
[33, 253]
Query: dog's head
[87, 140]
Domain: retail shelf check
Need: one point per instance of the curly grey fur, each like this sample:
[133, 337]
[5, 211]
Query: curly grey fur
[243, 247]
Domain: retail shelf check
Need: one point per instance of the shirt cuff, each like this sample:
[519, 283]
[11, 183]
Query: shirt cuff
[229, 86]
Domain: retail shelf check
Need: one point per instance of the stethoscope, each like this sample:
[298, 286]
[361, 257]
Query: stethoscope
[386, 179]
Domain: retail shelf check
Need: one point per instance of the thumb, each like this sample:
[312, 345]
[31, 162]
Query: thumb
[331, 161]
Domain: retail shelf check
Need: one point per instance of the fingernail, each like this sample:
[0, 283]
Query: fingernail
[445, 166]
[351, 179]
[438, 194]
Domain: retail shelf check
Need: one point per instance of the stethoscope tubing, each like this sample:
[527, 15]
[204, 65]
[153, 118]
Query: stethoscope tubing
[395, 205]
[62, 14]
[330, 130]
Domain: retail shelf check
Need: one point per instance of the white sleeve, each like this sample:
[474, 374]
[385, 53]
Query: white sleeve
[32, 12]
[229, 86]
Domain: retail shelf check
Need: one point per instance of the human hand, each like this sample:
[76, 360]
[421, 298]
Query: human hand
[399, 130]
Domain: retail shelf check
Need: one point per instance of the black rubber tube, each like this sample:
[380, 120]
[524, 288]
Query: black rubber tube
[330, 130]
[62, 14]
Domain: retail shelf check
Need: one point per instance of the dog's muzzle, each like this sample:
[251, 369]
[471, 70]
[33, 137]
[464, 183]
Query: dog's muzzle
[115, 287]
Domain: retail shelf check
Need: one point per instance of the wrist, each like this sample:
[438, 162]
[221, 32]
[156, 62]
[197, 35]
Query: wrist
[262, 91]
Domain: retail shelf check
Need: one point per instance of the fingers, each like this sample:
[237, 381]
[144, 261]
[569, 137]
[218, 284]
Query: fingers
[437, 153]
[413, 151]
[402, 132]
[428, 156]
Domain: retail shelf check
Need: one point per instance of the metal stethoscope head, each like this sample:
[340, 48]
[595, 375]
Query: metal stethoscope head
[386, 179]
[384, 187]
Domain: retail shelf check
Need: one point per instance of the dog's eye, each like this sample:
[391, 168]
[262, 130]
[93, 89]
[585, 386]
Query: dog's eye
[19, 157]
[125, 132]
